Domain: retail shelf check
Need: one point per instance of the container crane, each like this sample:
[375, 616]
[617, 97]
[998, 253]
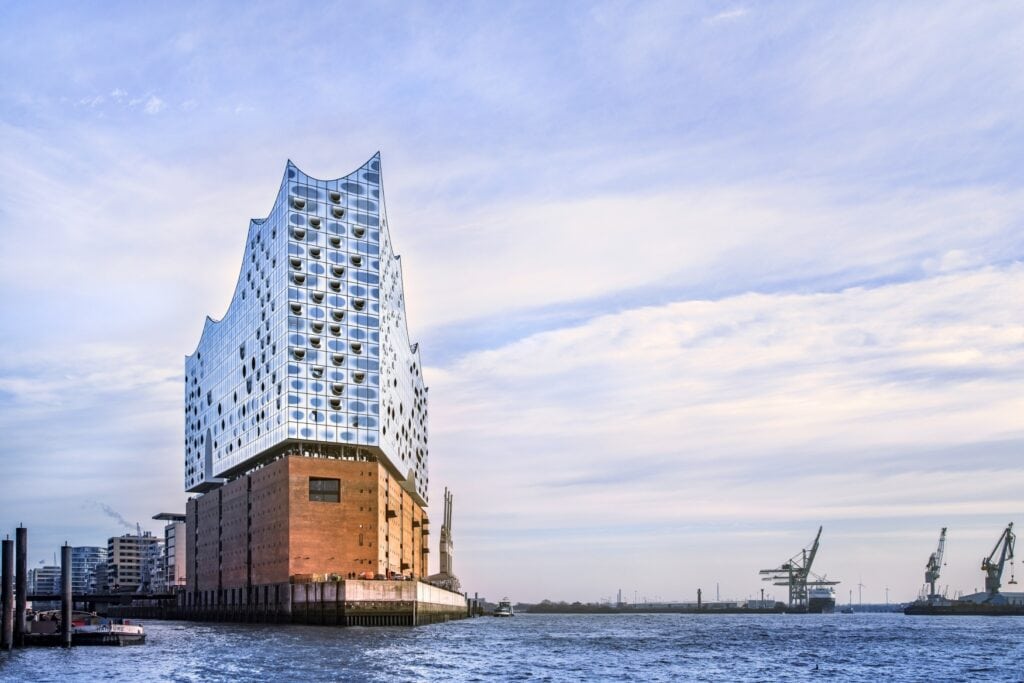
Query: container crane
[796, 575]
[934, 566]
[993, 568]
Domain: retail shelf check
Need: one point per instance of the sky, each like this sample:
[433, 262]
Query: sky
[690, 279]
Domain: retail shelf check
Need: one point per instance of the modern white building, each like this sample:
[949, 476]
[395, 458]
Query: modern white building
[313, 355]
[84, 560]
[172, 565]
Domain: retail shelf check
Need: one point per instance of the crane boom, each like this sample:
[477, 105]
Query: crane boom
[993, 567]
[934, 566]
[812, 553]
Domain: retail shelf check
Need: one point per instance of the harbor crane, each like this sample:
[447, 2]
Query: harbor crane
[934, 566]
[993, 567]
[796, 575]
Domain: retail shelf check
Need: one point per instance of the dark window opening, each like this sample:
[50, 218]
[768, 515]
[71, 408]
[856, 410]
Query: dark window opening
[325, 490]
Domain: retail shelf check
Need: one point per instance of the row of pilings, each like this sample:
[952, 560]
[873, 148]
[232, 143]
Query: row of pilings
[14, 591]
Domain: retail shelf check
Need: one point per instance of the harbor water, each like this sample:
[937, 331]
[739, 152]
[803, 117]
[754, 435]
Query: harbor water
[667, 647]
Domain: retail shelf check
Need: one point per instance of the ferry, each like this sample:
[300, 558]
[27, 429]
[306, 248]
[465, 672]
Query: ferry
[504, 609]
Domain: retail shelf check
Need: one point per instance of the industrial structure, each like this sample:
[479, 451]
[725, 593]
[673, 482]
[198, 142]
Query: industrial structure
[934, 567]
[991, 602]
[994, 564]
[796, 575]
[446, 576]
[306, 411]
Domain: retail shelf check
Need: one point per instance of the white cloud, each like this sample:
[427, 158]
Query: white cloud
[154, 105]
[837, 408]
[728, 15]
[717, 238]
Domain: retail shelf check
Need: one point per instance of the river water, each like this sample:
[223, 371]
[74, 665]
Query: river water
[840, 647]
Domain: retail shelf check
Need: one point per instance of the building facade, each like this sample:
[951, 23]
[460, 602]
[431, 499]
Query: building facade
[172, 565]
[84, 560]
[132, 561]
[45, 580]
[306, 411]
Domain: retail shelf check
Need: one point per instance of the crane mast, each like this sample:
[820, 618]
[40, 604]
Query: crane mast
[993, 567]
[934, 566]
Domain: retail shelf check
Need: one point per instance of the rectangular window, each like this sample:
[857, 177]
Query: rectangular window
[325, 490]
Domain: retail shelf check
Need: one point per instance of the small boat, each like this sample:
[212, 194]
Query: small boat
[87, 628]
[96, 630]
[504, 609]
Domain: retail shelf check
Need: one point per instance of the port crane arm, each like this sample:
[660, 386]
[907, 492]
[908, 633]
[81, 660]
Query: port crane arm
[813, 552]
[934, 566]
[994, 568]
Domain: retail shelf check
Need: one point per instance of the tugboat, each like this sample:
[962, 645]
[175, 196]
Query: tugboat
[504, 609]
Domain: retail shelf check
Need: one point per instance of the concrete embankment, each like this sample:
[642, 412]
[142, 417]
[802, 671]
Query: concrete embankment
[342, 603]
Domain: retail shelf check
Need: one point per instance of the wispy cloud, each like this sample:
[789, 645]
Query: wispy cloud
[728, 15]
[154, 105]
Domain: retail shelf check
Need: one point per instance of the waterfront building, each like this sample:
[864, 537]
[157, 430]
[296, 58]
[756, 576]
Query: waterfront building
[84, 560]
[172, 564]
[45, 580]
[131, 561]
[98, 578]
[305, 406]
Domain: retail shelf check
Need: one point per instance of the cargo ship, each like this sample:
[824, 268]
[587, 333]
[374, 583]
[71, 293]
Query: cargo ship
[821, 600]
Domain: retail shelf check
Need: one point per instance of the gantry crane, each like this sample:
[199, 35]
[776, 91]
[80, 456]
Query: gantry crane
[993, 568]
[934, 566]
[797, 576]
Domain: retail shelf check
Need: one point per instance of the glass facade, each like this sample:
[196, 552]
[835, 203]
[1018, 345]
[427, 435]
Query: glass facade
[314, 347]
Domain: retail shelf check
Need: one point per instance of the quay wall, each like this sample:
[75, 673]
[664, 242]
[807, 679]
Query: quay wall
[349, 602]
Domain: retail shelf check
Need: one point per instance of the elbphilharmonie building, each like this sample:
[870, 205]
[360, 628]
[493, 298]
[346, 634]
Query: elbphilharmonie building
[305, 407]
[314, 346]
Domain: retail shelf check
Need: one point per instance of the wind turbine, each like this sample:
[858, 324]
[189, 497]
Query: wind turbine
[860, 594]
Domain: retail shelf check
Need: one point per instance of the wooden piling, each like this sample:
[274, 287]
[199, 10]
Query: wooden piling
[65, 595]
[20, 585]
[7, 594]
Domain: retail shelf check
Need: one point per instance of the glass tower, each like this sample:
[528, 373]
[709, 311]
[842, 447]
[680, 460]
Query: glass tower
[313, 355]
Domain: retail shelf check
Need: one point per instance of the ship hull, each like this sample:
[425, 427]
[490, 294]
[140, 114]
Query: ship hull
[964, 609]
[821, 606]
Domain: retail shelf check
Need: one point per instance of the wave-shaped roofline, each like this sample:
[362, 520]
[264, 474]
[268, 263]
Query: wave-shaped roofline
[210, 322]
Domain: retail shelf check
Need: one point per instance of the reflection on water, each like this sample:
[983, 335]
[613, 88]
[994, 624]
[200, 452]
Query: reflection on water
[860, 647]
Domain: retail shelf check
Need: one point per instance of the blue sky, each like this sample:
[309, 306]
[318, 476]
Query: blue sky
[689, 278]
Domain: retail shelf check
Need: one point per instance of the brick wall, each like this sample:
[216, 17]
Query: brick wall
[262, 528]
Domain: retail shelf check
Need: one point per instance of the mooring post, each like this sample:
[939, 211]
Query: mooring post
[65, 595]
[7, 595]
[20, 585]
